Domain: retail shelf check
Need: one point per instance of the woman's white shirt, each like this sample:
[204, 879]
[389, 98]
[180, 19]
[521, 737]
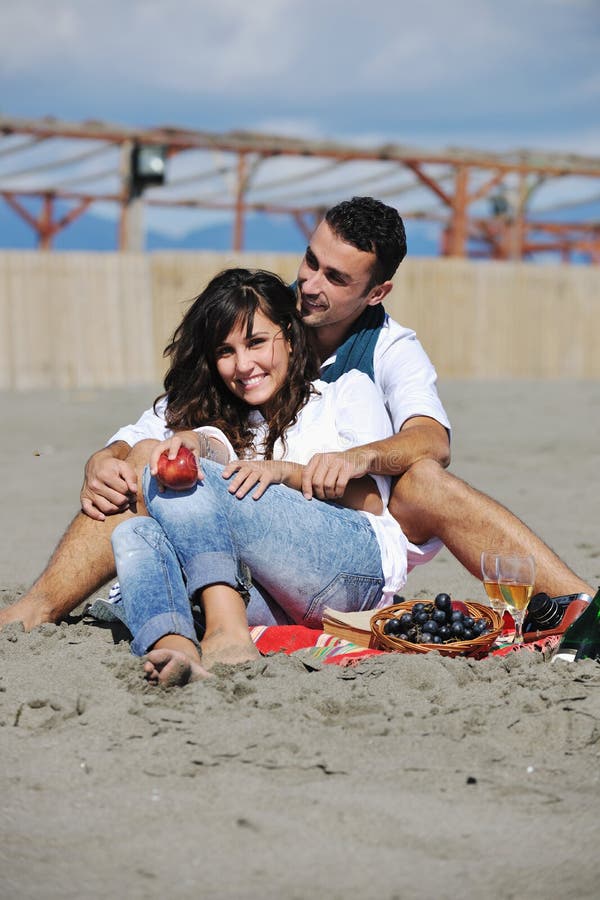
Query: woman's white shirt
[344, 413]
[347, 413]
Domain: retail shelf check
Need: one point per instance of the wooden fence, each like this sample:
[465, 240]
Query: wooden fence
[71, 320]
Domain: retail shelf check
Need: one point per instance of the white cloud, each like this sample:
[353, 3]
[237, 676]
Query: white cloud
[471, 73]
[291, 47]
[185, 45]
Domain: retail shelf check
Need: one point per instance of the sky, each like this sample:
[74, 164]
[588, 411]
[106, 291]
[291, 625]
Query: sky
[484, 74]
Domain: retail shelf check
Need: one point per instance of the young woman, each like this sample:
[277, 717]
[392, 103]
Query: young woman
[244, 543]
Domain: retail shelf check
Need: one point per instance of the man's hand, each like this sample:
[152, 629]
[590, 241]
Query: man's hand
[109, 485]
[326, 475]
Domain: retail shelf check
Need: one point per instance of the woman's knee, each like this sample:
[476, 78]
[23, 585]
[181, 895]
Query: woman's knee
[128, 534]
[187, 511]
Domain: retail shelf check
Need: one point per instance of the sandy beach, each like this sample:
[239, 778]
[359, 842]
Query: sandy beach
[403, 777]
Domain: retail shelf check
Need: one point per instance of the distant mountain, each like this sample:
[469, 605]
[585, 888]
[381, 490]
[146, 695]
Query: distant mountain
[262, 233]
[584, 212]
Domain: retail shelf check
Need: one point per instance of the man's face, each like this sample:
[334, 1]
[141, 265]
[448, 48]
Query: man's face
[333, 281]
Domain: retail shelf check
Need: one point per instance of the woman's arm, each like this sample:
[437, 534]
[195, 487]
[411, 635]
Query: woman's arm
[361, 493]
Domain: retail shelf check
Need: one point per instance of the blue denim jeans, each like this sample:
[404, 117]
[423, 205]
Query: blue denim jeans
[290, 557]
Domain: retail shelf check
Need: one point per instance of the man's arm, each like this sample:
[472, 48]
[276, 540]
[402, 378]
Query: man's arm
[109, 482]
[327, 474]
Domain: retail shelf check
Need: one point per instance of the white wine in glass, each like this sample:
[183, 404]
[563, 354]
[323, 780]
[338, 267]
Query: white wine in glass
[489, 574]
[516, 578]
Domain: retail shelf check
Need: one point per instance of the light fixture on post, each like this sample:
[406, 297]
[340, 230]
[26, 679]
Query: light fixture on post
[148, 166]
[142, 166]
[499, 204]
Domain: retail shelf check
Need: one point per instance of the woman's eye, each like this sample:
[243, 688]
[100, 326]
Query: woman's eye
[256, 342]
[222, 351]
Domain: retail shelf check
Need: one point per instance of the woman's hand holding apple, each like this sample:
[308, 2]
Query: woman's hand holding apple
[174, 462]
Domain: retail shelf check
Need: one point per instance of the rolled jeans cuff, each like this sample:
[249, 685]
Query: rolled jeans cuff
[217, 568]
[159, 626]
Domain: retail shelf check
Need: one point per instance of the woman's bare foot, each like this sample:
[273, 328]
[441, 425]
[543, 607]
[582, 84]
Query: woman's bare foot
[228, 647]
[227, 638]
[172, 667]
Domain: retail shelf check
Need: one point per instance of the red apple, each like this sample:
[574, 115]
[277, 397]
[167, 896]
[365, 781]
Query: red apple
[180, 473]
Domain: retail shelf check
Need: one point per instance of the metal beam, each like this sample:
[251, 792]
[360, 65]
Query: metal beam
[454, 178]
[273, 145]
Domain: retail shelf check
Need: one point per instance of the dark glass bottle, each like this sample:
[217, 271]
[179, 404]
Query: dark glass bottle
[581, 640]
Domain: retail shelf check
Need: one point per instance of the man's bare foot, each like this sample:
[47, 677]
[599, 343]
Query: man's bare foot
[228, 648]
[24, 610]
[172, 667]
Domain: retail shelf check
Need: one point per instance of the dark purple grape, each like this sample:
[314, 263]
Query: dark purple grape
[430, 627]
[412, 634]
[457, 629]
[480, 626]
[406, 620]
[443, 602]
[457, 615]
[468, 634]
[468, 622]
[445, 632]
[436, 639]
[420, 618]
[439, 616]
[417, 608]
[393, 627]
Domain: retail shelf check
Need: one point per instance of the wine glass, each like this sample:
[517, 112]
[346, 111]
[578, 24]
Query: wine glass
[489, 573]
[516, 577]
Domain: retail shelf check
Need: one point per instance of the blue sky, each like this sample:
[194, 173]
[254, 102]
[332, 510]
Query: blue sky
[489, 74]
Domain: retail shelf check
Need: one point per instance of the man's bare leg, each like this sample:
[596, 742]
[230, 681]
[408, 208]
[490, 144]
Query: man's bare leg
[429, 501]
[81, 563]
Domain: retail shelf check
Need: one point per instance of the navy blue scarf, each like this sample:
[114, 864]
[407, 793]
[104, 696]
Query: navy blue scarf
[357, 350]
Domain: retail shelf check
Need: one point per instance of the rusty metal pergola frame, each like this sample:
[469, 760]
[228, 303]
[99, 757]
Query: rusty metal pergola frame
[480, 201]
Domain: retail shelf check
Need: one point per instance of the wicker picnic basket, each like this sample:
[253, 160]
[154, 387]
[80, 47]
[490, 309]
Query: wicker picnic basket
[479, 646]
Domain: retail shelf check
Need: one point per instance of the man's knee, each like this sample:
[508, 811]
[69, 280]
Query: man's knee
[139, 454]
[430, 491]
[412, 501]
[419, 480]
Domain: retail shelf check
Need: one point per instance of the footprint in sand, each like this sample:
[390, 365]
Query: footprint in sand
[44, 713]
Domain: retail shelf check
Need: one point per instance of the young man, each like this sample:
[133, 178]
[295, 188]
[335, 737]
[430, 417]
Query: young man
[347, 268]
[344, 276]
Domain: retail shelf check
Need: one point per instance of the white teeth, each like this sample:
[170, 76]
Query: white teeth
[312, 304]
[249, 382]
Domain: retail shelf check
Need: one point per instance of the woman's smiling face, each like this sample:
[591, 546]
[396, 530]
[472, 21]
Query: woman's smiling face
[254, 366]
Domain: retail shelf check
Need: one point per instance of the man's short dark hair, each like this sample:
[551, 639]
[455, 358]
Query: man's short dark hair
[373, 227]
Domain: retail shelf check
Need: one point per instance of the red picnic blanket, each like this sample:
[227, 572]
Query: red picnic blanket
[329, 649]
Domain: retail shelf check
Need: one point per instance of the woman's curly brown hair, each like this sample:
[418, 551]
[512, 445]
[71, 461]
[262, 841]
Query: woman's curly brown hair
[196, 394]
